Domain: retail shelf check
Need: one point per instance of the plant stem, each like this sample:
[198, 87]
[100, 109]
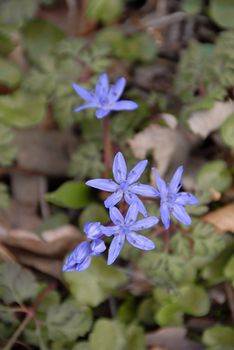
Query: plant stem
[107, 146]
[166, 241]
[30, 315]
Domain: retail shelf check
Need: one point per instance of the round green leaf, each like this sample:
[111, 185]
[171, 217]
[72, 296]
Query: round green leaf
[227, 131]
[106, 335]
[71, 194]
[41, 37]
[10, 73]
[194, 300]
[22, 110]
[222, 12]
[104, 10]
[229, 270]
[169, 315]
[214, 175]
[221, 336]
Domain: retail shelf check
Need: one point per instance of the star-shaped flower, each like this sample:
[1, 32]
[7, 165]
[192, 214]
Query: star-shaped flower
[125, 185]
[104, 99]
[173, 202]
[125, 228]
[80, 258]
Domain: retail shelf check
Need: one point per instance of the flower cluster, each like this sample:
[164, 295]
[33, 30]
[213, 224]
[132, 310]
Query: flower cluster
[125, 188]
[128, 188]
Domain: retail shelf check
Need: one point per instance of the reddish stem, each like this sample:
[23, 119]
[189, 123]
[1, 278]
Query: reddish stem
[107, 146]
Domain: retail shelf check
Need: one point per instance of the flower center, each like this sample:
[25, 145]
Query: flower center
[125, 230]
[124, 186]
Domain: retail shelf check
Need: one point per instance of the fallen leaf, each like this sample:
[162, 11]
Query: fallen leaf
[52, 243]
[5, 254]
[205, 122]
[169, 147]
[222, 219]
[171, 338]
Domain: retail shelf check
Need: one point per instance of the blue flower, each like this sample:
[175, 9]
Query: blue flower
[104, 99]
[80, 258]
[127, 186]
[125, 228]
[173, 202]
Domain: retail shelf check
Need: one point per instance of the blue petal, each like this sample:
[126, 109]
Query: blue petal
[119, 168]
[101, 113]
[83, 93]
[137, 171]
[116, 216]
[144, 224]
[93, 230]
[140, 241]
[180, 214]
[124, 105]
[115, 248]
[117, 90]
[103, 184]
[110, 230]
[102, 86]
[113, 199]
[70, 263]
[132, 214]
[174, 185]
[82, 251]
[184, 198]
[98, 247]
[165, 215]
[161, 184]
[143, 190]
[132, 198]
[88, 105]
[84, 265]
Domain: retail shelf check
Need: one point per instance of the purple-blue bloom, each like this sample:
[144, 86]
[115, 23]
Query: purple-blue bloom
[173, 202]
[124, 185]
[104, 98]
[80, 258]
[125, 228]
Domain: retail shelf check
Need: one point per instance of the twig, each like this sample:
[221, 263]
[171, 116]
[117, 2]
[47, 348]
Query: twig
[29, 317]
[152, 21]
[230, 297]
[107, 146]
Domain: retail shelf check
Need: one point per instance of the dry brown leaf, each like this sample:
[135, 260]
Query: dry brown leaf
[53, 243]
[171, 338]
[168, 146]
[204, 122]
[5, 254]
[222, 219]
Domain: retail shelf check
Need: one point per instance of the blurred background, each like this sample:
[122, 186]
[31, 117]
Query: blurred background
[178, 59]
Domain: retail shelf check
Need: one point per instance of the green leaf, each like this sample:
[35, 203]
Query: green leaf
[72, 194]
[192, 7]
[16, 283]
[93, 286]
[6, 44]
[229, 270]
[17, 12]
[214, 176]
[135, 338]
[22, 110]
[222, 336]
[94, 212]
[84, 345]
[4, 196]
[67, 321]
[106, 335]
[169, 315]
[7, 148]
[40, 38]
[194, 300]
[10, 73]
[105, 10]
[227, 131]
[221, 12]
